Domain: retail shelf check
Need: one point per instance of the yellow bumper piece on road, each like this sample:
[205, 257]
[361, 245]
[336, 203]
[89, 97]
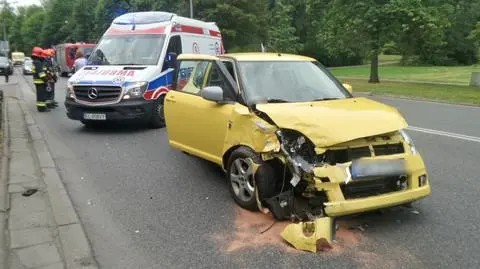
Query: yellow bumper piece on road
[310, 236]
[354, 206]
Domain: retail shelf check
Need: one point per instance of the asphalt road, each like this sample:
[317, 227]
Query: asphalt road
[145, 205]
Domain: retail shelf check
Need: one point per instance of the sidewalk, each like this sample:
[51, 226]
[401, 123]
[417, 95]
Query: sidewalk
[41, 227]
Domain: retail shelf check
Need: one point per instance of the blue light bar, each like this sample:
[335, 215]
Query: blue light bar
[143, 18]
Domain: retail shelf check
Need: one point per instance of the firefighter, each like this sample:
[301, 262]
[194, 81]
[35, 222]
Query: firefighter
[51, 78]
[39, 78]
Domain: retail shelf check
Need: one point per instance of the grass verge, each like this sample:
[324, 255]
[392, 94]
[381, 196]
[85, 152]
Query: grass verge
[446, 74]
[447, 93]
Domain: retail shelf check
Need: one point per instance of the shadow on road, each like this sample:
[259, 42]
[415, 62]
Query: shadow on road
[117, 128]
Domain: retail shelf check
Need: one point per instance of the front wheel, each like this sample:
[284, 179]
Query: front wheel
[158, 115]
[243, 183]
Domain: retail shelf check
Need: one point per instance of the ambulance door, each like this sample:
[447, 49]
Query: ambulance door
[175, 46]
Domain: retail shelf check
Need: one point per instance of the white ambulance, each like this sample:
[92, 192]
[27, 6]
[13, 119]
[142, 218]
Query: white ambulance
[131, 69]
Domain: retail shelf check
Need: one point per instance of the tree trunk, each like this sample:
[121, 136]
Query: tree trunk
[374, 68]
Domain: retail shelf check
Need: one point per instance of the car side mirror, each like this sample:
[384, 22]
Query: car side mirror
[212, 93]
[348, 87]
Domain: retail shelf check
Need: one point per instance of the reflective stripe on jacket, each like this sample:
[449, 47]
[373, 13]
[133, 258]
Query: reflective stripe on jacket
[38, 70]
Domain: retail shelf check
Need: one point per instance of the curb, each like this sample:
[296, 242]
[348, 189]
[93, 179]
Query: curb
[3, 187]
[74, 243]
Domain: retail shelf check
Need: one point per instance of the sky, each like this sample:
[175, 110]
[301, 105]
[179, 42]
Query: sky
[24, 2]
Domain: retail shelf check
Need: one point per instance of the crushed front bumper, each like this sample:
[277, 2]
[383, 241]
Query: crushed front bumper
[354, 206]
[340, 203]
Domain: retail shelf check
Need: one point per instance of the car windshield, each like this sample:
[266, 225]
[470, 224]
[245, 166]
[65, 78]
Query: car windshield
[128, 50]
[3, 60]
[296, 81]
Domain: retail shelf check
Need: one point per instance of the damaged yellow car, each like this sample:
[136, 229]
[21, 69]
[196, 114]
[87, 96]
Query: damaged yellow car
[290, 137]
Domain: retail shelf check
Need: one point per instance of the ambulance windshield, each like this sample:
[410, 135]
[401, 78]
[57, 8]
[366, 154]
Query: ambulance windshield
[128, 50]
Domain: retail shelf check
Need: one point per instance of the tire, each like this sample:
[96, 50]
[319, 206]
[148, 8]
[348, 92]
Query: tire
[243, 185]
[64, 74]
[158, 116]
[92, 124]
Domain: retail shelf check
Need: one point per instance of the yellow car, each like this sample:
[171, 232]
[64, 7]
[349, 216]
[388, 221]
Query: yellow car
[290, 137]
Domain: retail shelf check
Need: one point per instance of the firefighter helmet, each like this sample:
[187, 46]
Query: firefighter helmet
[37, 52]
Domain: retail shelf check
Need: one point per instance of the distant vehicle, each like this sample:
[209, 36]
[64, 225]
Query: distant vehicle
[4, 48]
[65, 56]
[18, 58]
[27, 59]
[27, 66]
[132, 67]
[6, 65]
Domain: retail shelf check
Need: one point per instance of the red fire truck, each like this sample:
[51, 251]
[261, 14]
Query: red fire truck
[65, 56]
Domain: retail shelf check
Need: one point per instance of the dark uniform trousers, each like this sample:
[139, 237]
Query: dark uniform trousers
[39, 79]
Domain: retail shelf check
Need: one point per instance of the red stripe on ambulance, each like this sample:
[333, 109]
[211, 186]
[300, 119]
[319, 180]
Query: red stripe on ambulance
[151, 31]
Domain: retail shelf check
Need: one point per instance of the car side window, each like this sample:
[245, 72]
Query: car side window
[191, 76]
[217, 78]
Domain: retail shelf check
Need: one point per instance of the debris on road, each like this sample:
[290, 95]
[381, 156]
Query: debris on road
[255, 229]
[29, 192]
[416, 212]
[311, 236]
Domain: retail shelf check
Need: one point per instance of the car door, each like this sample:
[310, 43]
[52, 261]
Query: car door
[194, 124]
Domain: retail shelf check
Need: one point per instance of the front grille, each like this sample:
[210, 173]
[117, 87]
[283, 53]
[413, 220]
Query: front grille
[346, 155]
[388, 149]
[105, 93]
[372, 187]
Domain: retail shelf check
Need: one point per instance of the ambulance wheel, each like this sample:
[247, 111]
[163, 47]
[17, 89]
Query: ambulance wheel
[158, 116]
[92, 124]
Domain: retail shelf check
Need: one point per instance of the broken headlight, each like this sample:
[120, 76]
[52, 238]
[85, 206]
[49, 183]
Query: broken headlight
[299, 148]
[409, 141]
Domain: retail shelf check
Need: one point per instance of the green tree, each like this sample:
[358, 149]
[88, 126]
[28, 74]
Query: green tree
[281, 35]
[106, 11]
[32, 25]
[242, 23]
[82, 17]
[7, 18]
[58, 25]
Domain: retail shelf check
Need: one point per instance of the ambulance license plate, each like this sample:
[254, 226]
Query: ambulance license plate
[94, 116]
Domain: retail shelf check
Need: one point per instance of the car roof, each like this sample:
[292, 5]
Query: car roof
[262, 56]
[250, 56]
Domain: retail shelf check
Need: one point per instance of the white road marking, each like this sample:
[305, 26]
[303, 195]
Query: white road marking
[443, 133]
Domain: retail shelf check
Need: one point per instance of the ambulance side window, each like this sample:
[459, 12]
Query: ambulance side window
[175, 46]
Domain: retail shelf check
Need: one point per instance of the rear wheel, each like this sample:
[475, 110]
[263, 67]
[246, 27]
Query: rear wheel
[243, 183]
[158, 115]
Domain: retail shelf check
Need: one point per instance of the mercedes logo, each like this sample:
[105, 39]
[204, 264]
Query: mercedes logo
[92, 93]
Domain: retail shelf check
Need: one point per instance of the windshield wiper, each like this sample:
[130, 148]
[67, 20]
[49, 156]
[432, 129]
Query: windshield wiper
[274, 100]
[325, 99]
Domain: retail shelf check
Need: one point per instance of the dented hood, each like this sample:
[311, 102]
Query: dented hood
[327, 123]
